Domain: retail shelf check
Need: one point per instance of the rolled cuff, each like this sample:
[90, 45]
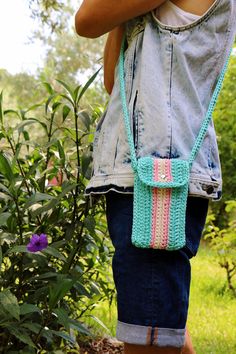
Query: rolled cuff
[147, 335]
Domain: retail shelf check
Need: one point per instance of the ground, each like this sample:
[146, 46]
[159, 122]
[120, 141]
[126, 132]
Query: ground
[102, 346]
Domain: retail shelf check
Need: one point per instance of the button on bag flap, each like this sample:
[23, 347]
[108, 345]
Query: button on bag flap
[163, 173]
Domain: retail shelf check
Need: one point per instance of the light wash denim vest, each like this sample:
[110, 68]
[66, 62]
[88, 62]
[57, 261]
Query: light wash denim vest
[170, 75]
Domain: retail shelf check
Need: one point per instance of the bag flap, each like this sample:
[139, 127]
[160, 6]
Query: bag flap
[163, 173]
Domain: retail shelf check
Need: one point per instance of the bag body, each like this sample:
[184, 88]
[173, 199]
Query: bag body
[160, 199]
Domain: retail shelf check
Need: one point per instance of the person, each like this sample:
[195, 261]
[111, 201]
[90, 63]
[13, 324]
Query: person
[175, 52]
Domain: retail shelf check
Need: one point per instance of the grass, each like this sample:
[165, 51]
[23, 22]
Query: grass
[212, 312]
[212, 320]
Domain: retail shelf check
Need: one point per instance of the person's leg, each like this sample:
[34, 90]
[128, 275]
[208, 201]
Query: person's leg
[188, 345]
[152, 285]
[136, 349]
[142, 349]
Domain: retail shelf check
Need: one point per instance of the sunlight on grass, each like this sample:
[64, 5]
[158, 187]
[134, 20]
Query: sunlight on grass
[212, 320]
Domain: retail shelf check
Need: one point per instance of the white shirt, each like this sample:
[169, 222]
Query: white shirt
[172, 15]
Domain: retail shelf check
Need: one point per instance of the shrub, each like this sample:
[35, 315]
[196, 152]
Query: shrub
[223, 240]
[44, 168]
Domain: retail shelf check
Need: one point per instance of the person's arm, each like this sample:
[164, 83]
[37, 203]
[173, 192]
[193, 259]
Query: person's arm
[193, 6]
[111, 55]
[97, 17]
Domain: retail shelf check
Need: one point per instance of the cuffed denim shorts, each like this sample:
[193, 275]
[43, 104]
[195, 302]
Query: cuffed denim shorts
[152, 285]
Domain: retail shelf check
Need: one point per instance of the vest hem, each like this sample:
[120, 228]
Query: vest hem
[199, 186]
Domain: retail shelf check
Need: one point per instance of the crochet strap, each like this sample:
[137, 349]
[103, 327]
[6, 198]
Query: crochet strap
[125, 107]
[204, 125]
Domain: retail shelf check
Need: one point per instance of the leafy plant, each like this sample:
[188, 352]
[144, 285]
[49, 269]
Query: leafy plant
[44, 167]
[224, 242]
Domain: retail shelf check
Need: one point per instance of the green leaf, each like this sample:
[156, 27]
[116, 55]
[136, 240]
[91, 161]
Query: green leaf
[5, 189]
[66, 187]
[33, 327]
[79, 327]
[10, 304]
[76, 92]
[90, 224]
[82, 290]
[42, 124]
[59, 290]
[64, 336]
[21, 334]
[28, 308]
[67, 98]
[85, 119]
[66, 110]
[55, 106]
[7, 238]
[12, 111]
[2, 135]
[48, 88]
[38, 197]
[16, 156]
[6, 169]
[48, 275]
[61, 152]
[46, 207]
[33, 107]
[17, 249]
[85, 162]
[63, 317]
[4, 217]
[94, 288]
[20, 127]
[54, 252]
[1, 258]
[86, 86]
[99, 322]
[46, 333]
[1, 109]
[26, 136]
[50, 143]
[49, 101]
[67, 87]
[58, 244]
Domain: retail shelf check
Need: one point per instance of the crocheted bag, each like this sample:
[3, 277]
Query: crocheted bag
[160, 198]
[161, 185]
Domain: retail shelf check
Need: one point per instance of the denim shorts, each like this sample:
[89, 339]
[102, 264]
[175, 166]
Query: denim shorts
[152, 285]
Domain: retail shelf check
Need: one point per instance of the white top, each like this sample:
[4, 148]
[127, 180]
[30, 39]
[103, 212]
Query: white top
[172, 15]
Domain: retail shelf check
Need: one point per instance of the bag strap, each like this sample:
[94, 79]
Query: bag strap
[204, 125]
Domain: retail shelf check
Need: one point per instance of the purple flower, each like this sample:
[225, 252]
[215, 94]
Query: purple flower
[37, 243]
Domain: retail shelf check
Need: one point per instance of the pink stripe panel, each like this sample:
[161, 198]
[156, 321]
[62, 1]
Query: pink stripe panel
[166, 207]
[161, 203]
[154, 205]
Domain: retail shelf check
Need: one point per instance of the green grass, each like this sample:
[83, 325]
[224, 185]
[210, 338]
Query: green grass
[212, 312]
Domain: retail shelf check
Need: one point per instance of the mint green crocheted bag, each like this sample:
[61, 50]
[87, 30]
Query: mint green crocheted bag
[161, 185]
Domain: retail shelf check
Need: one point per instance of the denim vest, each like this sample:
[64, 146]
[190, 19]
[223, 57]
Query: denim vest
[170, 75]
